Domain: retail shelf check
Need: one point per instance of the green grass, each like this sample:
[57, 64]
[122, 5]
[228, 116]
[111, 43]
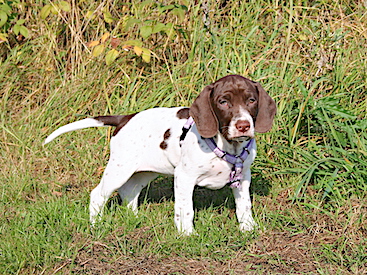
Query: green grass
[309, 179]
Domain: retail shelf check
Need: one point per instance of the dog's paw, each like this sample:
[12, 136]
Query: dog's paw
[248, 225]
[186, 234]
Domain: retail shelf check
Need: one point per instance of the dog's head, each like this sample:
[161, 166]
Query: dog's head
[235, 106]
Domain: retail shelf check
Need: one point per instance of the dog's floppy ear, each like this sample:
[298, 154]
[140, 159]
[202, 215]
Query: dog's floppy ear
[202, 113]
[266, 111]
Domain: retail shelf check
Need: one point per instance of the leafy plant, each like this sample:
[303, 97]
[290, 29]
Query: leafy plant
[116, 46]
[144, 28]
[119, 24]
[54, 8]
[9, 20]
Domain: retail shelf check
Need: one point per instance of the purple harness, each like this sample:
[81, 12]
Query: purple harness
[237, 161]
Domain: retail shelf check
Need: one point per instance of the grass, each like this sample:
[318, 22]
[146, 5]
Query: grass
[309, 179]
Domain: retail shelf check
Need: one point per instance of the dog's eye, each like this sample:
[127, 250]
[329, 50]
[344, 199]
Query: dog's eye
[223, 102]
[252, 100]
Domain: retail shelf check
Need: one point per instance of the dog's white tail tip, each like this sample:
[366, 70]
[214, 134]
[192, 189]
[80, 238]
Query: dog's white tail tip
[81, 124]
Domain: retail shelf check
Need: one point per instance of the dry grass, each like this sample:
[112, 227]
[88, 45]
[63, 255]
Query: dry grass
[300, 249]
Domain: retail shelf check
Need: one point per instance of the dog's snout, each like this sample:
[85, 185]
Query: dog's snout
[243, 125]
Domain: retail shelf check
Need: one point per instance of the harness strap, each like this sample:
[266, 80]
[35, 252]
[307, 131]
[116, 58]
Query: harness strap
[187, 126]
[235, 176]
[232, 159]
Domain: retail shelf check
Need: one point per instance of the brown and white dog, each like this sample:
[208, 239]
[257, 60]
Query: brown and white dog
[146, 144]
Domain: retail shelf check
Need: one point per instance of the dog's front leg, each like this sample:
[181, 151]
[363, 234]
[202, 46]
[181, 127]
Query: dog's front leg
[243, 203]
[184, 210]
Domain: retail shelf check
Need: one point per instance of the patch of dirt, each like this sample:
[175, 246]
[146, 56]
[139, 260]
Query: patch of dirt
[271, 253]
[297, 248]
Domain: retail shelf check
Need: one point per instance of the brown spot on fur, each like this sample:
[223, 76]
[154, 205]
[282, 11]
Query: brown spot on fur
[183, 113]
[117, 121]
[167, 134]
[163, 145]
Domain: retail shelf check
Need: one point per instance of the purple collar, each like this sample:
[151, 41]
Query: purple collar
[237, 161]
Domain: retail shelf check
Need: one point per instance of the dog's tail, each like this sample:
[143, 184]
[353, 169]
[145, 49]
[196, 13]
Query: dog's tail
[99, 121]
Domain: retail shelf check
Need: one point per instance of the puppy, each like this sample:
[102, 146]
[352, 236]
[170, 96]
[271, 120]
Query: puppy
[210, 144]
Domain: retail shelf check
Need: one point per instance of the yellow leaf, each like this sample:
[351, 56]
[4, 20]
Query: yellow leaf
[98, 50]
[133, 43]
[3, 37]
[138, 50]
[45, 11]
[54, 9]
[92, 44]
[111, 56]
[108, 17]
[105, 36]
[65, 6]
[90, 15]
[146, 55]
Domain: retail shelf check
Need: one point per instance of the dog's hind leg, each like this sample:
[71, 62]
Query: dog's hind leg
[129, 192]
[115, 175]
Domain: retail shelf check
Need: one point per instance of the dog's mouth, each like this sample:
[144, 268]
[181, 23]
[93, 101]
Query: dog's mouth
[242, 138]
[236, 135]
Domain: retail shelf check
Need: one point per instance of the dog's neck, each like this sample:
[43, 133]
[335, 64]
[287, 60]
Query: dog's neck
[230, 146]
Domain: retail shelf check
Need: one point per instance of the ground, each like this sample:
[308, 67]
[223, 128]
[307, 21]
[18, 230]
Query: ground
[289, 250]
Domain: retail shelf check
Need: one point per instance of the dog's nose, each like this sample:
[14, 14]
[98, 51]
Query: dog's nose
[243, 126]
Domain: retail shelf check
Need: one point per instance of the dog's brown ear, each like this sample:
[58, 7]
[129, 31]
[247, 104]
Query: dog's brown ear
[202, 113]
[266, 112]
